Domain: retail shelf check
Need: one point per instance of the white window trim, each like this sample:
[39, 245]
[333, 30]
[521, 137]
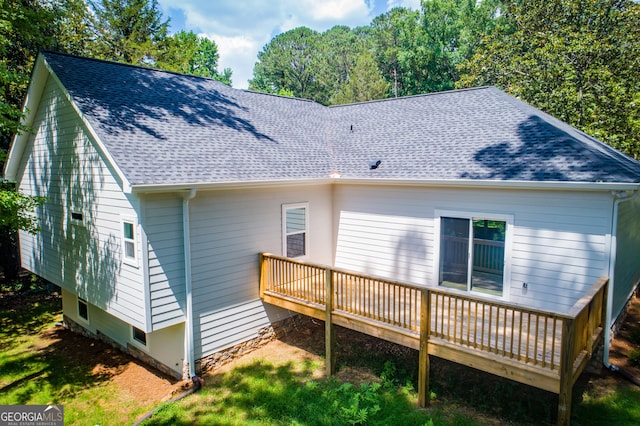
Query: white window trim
[125, 259]
[286, 207]
[507, 218]
[78, 300]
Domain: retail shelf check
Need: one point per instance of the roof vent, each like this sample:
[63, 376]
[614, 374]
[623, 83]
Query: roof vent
[374, 164]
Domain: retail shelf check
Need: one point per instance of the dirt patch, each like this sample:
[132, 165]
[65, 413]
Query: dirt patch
[305, 343]
[627, 339]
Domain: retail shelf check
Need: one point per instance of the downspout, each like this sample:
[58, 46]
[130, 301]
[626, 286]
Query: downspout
[188, 329]
[619, 197]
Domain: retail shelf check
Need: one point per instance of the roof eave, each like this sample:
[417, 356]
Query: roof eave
[177, 187]
[496, 184]
[453, 183]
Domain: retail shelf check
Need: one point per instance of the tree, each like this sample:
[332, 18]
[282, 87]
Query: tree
[575, 59]
[365, 83]
[290, 62]
[188, 53]
[129, 31]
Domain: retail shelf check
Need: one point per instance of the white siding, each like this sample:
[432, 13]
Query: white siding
[228, 230]
[166, 345]
[163, 225]
[627, 267]
[559, 247]
[63, 164]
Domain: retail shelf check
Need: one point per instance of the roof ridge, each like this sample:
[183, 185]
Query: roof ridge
[421, 95]
[46, 52]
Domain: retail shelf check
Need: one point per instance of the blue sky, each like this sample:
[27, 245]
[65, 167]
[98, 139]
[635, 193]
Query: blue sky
[241, 28]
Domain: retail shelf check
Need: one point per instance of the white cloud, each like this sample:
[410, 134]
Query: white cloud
[412, 4]
[241, 28]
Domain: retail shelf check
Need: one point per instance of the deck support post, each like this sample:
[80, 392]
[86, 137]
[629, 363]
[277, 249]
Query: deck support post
[329, 330]
[566, 372]
[263, 274]
[423, 363]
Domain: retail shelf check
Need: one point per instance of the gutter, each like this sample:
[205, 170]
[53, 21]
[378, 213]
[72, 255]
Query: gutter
[188, 328]
[620, 197]
[342, 180]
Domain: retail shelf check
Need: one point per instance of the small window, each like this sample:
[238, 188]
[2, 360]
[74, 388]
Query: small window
[129, 241]
[139, 336]
[77, 217]
[295, 233]
[83, 309]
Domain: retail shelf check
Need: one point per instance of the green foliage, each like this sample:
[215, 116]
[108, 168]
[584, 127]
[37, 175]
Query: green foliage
[289, 61]
[364, 83]
[187, 53]
[16, 210]
[129, 31]
[634, 357]
[575, 59]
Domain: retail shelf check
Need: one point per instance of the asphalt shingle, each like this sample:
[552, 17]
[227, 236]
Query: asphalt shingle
[166, 128]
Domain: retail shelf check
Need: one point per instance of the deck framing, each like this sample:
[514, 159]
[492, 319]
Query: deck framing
[540, 348]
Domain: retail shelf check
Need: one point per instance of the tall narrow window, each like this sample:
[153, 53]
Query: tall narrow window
[83, 309]
[472, 254]
[129, 240]
[295, 230]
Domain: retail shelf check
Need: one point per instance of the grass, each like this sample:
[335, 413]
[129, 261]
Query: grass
[40, 368]
[37, 367]
[264, 393]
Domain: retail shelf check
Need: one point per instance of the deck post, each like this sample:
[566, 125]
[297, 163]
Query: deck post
[423, 363]
[566, 372]
[263, 273]
[329, 331]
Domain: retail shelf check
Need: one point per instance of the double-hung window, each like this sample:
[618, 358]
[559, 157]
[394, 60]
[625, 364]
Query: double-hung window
[295, 238]
[129, 241]
[473, 252]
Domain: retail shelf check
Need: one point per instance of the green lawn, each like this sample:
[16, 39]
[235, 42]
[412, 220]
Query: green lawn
[36, 367]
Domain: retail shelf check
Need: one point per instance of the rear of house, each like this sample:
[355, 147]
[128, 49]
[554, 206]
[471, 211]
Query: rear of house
[157, 206]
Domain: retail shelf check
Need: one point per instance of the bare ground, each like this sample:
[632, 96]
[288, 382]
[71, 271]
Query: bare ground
[134, 380]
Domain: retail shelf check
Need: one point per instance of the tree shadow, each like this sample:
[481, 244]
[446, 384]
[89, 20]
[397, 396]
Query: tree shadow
[543, 152]
[125, 99]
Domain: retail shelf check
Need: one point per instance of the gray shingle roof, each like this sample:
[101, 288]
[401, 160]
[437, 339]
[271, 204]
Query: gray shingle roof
[165, 128]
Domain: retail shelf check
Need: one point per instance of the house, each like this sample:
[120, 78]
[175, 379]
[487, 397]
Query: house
[162, 189]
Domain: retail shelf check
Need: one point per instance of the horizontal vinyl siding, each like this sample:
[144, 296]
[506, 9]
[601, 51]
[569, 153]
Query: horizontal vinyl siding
[228, 230]
[627, 267]
[163, 225]
[559, 239]
[62, 163]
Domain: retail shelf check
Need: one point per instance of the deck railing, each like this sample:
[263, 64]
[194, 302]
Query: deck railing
[548, 348]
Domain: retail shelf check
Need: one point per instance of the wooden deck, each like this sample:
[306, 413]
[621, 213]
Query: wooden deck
[542, 349]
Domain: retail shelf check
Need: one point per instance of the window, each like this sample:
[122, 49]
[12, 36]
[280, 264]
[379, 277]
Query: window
[83, 309]
[295, 238]
[139, 336]
[129, 241]
[77, 217]
[472, 253]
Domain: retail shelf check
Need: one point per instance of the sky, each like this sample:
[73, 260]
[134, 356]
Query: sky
[241, 28]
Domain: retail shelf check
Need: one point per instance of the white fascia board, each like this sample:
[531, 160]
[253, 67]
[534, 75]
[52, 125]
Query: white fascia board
[20, 140]
[476, 184]
[492, 184]
[126, 186]
[153, 188]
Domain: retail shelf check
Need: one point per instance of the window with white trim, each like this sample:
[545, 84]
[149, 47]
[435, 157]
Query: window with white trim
[295, 224]
[129, 241]
[473, 253]
[83, 309]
